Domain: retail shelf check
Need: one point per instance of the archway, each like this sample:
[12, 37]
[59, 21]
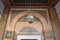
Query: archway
[37, 15]
[41, 18]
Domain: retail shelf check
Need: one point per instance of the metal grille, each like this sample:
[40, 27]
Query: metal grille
[30, 1]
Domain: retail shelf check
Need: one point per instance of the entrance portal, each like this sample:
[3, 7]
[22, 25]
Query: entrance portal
[23, 24]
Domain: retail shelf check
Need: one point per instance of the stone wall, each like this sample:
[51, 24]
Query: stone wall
[55, 23]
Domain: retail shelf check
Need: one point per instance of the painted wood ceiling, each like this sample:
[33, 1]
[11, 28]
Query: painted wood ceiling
[30, 2]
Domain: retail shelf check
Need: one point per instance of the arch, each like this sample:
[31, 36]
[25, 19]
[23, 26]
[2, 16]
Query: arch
[28, 29]
[16, 18]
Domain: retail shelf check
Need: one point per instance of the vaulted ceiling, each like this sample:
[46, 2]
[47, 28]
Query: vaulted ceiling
[30, 2]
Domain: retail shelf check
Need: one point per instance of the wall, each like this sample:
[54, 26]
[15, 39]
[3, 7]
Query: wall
[1, 21]
[58, 10]
[55, 23]
[15, 27]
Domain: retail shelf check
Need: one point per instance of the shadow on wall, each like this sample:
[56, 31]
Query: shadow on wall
[1, 8]
[58, 10]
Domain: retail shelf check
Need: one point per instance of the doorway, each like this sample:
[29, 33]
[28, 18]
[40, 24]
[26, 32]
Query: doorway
[30, 37]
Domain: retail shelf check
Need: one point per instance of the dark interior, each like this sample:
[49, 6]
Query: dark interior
[28, 39]
[30, 1]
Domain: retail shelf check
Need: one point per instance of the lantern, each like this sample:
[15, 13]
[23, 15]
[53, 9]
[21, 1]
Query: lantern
[30, 18]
